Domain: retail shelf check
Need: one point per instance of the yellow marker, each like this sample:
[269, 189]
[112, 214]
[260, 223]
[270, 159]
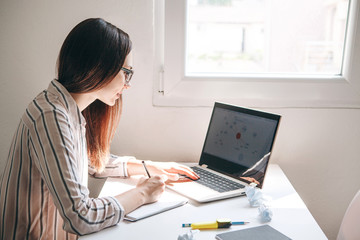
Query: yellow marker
[219, 223]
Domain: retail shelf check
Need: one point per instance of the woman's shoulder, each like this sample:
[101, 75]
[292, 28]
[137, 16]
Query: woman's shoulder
[43, 104]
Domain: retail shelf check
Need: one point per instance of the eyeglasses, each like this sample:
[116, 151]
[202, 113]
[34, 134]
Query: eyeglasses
[128, 75]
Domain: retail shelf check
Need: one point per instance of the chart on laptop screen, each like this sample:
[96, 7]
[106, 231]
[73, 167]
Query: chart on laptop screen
[238, 137]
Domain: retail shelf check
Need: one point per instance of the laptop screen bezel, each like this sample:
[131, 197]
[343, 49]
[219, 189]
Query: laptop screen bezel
[225, 166]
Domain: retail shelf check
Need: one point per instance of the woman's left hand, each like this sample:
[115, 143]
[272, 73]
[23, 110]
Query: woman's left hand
[171, 170]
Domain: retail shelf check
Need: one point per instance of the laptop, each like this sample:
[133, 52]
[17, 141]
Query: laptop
[236, 152]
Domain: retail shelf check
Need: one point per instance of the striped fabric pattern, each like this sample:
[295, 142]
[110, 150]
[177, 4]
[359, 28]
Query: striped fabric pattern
[43, 191]
[115, 167]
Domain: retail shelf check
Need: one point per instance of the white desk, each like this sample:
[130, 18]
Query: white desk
[291, 216]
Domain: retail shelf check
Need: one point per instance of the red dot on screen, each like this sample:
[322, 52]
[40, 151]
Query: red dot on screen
[238, 135]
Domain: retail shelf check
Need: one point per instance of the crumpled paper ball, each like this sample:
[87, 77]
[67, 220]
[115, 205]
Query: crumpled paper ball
[189, 235]
[265, 213]
[258, 199]
[254, 195]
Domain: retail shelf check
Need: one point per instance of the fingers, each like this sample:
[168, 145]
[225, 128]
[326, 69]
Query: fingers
[172, 170]
[183, 170]
[180, 180]
[152, 188]
[190, 173]
[154, 180]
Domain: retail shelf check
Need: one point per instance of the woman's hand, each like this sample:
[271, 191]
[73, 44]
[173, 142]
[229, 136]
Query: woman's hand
[171, 170]
[151, 188]
[147, 190]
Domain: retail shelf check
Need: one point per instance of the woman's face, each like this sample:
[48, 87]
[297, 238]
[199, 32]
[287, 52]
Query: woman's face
[113, 90]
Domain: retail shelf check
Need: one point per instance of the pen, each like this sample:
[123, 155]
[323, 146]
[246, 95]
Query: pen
[147, 171]
[219, 223]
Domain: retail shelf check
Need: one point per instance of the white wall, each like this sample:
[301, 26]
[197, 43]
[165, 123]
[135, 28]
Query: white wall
[318, 149]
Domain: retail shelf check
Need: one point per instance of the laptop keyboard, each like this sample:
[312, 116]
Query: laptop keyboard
[215, 182]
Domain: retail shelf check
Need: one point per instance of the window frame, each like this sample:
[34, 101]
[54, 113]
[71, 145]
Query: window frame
[173, 88]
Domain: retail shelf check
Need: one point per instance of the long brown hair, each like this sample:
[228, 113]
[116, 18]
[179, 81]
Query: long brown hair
[90, 57]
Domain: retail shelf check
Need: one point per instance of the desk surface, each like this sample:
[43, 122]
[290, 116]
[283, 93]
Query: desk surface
[291, 216]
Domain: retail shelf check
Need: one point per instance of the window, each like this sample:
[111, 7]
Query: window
[258, 53]
[233, 37]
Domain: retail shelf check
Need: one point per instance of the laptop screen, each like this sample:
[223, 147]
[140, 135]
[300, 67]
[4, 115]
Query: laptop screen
[239, 142]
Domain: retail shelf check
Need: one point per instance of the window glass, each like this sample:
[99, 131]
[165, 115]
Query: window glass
[235, 37]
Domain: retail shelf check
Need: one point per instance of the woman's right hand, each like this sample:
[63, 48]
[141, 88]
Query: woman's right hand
[147, 190]
[151, 188]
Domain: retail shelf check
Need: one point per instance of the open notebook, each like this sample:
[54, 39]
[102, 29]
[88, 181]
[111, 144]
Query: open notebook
[167, 201]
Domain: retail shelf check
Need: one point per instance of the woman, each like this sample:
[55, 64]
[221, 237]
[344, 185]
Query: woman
[44, 192]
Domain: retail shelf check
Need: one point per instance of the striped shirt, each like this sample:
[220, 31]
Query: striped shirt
[43, 191]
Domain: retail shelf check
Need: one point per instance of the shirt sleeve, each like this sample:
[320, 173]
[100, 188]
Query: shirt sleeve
[55, 144]
[115, 167]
